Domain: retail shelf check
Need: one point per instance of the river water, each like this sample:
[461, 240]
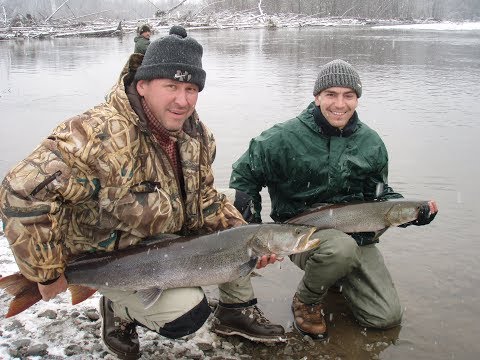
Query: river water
[420, 93]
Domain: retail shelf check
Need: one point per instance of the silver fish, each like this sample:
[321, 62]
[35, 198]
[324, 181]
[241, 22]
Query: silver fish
[369, 216]
[171, 262]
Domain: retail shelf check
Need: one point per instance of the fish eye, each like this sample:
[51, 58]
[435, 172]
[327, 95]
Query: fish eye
[298, 231]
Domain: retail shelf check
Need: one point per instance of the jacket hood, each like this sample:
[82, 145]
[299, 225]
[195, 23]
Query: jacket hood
[118, 97]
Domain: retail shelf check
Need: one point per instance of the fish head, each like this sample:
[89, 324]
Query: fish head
[403, 211]
[284, 239]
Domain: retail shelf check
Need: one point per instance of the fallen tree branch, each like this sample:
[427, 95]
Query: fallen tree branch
[260, 7]
[82, 16]
[170, 10]
[154, 5]
[206, 6]
[71, 11]
[46, 20]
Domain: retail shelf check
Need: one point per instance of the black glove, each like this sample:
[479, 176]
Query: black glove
[244, 204]
[365, 238]
[424, 217]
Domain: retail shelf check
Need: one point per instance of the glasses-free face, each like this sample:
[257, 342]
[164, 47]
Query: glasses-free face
[172, 102]
[337, 105]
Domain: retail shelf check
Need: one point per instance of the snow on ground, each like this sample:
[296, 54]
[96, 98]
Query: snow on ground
[441, 26]
[57, 330]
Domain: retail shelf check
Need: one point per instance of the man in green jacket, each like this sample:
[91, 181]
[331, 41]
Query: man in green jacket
[142, 40]
[327, 155]
[133, 167]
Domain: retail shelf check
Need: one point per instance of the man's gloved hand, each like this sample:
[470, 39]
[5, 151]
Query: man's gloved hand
[244, 203]
[425, 215]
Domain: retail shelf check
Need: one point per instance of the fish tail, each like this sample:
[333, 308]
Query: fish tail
[80, 293]
[25, 293]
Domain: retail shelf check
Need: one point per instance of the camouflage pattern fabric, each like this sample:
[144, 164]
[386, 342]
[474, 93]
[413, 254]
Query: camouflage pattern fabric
[100, 182]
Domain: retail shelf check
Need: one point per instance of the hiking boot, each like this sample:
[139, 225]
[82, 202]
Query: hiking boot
[248, 321]
[119, 335]
[308, 319]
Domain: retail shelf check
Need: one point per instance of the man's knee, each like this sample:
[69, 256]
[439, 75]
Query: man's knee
[178, 312]
[339, 247]
[188, 323]
[385, 319]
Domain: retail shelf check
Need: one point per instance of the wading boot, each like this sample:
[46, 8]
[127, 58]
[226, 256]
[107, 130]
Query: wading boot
[246, 320]
[308, 319]
[119, 335]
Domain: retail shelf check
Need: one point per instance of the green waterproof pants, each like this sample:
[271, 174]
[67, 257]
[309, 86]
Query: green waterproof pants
[360, 271]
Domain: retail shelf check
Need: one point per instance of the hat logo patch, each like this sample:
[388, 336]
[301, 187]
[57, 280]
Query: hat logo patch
[182, 76]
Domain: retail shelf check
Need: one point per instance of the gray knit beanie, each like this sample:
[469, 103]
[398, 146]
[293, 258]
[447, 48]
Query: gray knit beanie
[337, 73]
[175, 56]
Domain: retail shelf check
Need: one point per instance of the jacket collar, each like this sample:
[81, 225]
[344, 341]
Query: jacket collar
[329, 130]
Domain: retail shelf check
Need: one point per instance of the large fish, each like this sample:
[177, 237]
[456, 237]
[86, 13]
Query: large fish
[170, 262]
[369, 216]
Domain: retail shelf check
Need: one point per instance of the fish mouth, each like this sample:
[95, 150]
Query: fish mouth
[305, 242]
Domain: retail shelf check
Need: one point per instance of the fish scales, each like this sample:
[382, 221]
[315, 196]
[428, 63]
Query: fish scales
[170, 262]
[372, 216]
[188, 261]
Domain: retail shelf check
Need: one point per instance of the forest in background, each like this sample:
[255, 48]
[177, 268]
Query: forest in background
[406, 10]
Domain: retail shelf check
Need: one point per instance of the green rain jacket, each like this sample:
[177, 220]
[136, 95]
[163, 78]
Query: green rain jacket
[301, 166]
[141, 44]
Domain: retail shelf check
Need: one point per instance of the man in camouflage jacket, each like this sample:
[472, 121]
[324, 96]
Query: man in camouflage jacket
[135, 166]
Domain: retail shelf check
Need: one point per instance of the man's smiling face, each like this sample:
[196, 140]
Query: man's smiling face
[337, 105]
[172, 102]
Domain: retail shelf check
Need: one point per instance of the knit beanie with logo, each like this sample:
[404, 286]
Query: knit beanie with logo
[175, 56]
[337, 73]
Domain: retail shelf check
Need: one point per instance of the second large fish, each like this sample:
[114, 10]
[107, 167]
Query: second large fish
[368, 216]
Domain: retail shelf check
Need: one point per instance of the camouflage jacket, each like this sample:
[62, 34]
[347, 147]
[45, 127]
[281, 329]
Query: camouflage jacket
[101, 182]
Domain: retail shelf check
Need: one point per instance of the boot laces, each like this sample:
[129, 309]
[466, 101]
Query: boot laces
[315, 309]
[125, 328]
[309, 310]
[255, 313]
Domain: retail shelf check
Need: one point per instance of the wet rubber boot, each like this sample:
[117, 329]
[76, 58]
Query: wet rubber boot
[120, 336]
[308, 319]
[248, 321]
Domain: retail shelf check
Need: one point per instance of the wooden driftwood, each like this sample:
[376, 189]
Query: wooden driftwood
[202, 19]
[94, 32]
[45, 31]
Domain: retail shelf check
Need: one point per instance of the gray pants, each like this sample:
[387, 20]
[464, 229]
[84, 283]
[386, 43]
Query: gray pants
[359, 270]
[237, 291]
[172, 304]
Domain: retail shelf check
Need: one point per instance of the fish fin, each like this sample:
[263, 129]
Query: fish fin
[158, 239]
[317, 206]
[148, 297]
[25, 291]
[379, 233]
[247, 267]
[80, 293]
[255, 274]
